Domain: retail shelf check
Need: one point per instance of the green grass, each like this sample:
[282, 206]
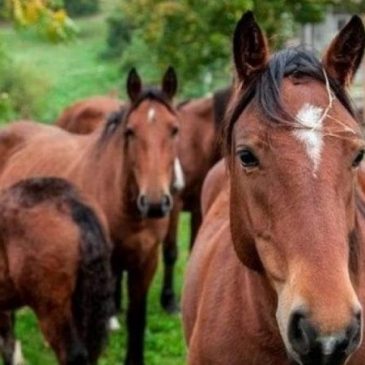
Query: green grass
[73, 71]
[164, 337]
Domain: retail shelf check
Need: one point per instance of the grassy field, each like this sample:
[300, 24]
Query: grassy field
[69, 71]
[73, 71]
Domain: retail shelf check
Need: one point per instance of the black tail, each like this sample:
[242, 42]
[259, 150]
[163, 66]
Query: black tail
[93, 297]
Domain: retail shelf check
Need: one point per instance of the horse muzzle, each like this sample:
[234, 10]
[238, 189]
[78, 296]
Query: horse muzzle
[309, 347]
[154, 209]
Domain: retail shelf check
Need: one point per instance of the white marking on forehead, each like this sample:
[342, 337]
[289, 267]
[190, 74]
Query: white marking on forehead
[310, 117]
[151, 115]
[179, 181]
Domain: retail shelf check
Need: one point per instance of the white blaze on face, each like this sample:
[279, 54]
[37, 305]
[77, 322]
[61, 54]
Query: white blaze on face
[179, 182]
[18, 358]
[309, 116]
[151, 115]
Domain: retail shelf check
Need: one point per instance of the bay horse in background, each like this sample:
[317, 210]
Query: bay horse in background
[125, 168]
[277, 272]
[198, 151]
[86, 115]
[55, 258]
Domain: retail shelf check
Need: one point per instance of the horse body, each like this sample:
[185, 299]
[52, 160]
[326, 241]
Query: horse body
[277, 271]
[41, 150]
[52, 248]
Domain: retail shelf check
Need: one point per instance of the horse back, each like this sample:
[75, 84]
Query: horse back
[86, 115]
[30, 149]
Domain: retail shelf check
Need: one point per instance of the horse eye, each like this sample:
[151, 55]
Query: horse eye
[129, 133]
[248, 159]
[358, 159]
[174, 131]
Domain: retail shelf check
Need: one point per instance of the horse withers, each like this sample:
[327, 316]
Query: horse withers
[276, 274]
[55, 259]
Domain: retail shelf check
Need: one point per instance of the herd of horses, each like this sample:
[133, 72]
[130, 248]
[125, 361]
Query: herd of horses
[270, 169]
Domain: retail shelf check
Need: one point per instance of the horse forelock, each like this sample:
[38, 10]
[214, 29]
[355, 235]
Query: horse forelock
[264, 90]
[117, 118]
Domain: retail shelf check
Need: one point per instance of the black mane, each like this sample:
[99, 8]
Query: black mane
[264, 89]
[220, 102]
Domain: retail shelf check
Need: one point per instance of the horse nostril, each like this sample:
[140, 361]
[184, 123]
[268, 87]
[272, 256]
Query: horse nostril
[300, 334]
[166, 202]
[142, 203]
[310, 345]
[353, 335]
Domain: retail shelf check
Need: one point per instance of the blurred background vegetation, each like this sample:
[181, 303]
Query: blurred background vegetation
[55, 51]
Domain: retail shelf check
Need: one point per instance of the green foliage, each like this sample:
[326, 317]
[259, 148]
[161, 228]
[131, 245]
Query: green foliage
[47, 17]
[195, 36]
[81, 7]
[119, 36]
[21, 89]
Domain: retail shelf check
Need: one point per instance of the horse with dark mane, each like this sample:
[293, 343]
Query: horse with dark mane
[125, 168]
[276, 273]
[201, 120]
[55, 258]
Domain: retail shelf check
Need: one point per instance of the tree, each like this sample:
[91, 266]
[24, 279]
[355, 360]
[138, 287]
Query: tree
[194, 35]
[48, 16]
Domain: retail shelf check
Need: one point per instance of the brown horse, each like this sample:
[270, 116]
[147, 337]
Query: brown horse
[198, 151]
[276, 274]
[55, 258]
[125, 168]
[86, 115]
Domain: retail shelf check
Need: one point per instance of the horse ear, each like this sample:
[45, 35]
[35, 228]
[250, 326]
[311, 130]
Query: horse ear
[344, 54]
[134, 85]
[250, 51]
[169, 82]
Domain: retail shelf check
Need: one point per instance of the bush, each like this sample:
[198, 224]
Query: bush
[81, 7]
[21, 90]
[118, 37]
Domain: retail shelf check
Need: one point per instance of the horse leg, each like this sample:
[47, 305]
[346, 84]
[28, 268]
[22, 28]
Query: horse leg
[139, 281]
[114, 324]
[10, 348]
[196, 220]
[60, 331]
[170, 252]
